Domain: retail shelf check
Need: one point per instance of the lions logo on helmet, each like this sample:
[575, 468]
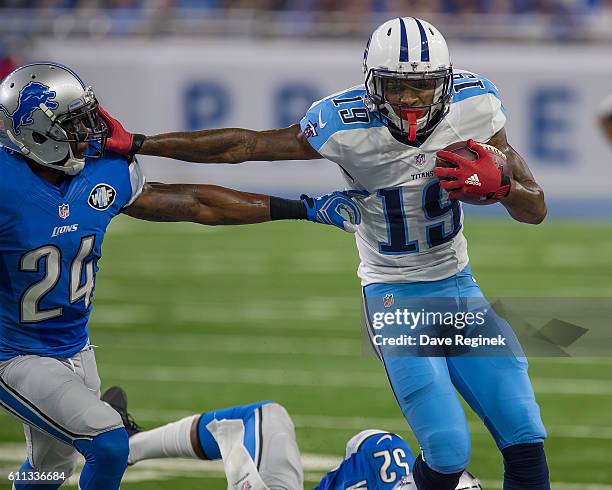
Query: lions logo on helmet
[409, 76]
[48, 113]
[30, 98]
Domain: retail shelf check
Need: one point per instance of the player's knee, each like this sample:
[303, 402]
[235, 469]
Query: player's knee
[447, 451]
[100, 417]
[280, 416]
[108, 450]
[526, 424]
[280, 466]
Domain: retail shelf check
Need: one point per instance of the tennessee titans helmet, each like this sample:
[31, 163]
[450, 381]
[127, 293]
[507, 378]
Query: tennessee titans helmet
[46, 110]
[408, 55]
[467, 482]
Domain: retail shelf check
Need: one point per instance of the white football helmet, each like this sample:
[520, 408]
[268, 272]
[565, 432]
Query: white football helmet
[408, 76]
[46, 110]
[467, 482]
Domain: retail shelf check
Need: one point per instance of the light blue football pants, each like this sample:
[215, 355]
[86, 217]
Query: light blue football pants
[497, 388]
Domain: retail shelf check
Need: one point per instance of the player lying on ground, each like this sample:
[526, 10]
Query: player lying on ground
[60, 190]
[259, 450]
[385, 136]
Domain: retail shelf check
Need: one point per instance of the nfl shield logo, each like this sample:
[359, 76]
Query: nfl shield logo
[64, 211]
[246, 486]
[388, 301]
[420, 159]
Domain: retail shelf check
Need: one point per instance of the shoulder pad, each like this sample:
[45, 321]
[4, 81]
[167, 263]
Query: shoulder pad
[467, 84]
[342, 111]
[477, 111]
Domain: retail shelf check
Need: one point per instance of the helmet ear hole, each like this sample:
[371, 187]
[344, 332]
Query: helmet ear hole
[38, 138]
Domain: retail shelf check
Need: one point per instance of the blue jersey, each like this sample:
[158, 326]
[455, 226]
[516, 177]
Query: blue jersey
[378, 462]
[50, 245]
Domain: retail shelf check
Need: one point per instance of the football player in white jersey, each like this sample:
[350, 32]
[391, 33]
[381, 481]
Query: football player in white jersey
[385, 135]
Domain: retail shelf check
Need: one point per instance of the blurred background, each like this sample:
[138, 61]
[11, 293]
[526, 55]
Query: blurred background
[163, 65]
[191, 319]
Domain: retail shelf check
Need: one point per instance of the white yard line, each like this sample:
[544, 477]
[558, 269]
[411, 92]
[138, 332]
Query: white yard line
[244, 344]
[360, 423]
[549, 386]
[164, 469]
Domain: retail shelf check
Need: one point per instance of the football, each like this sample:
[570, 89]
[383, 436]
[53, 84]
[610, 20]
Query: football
[460, 148]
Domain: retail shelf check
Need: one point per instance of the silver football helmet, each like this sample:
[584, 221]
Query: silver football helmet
[47, 112]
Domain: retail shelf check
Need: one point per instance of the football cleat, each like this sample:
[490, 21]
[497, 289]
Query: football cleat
[116, 397]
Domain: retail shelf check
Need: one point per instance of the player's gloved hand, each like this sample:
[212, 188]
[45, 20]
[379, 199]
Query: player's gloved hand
[337, 209]
[119, 139]
[479, 178]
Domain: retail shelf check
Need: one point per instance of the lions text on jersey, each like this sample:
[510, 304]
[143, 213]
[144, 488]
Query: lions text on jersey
[50, 245]
[410, 230]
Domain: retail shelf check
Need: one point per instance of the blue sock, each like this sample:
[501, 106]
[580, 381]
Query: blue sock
[106, 458]
[26, 468]
[428, 479]
[246, 413]
[525, 467]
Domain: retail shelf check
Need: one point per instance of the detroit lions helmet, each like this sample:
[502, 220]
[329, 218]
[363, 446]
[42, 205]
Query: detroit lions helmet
[46, 110]
[408, 76]
[467, 482]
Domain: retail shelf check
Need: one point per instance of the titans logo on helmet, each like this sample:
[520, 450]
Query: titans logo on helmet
[30, 98]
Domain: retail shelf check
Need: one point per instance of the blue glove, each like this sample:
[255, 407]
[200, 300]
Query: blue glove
[336, 209]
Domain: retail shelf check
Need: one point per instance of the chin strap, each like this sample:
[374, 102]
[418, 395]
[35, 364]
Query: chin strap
[72, 166]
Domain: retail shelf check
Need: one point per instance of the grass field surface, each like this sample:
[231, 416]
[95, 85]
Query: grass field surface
[190, 319]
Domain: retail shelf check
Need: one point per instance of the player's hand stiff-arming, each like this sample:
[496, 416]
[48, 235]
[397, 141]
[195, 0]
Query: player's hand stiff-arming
[460, 181]
[120, 140]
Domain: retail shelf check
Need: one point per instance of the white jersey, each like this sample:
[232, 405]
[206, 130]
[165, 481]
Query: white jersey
[410, 230]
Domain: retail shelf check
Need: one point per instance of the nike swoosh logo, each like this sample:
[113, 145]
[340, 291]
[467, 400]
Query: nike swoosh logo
[321, 123]
[386, 436]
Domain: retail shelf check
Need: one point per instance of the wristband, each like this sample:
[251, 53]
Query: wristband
[286, 209]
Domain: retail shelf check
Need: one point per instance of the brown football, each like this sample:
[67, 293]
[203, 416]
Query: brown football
[461, 148]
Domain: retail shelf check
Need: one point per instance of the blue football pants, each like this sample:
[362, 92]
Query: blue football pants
[497, 388]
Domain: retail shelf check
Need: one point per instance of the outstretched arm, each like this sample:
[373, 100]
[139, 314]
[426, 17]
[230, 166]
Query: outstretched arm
[204, 204]
[525, 201]
[230, 145]
[214, 205]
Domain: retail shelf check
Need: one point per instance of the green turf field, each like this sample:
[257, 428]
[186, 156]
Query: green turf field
[189, 319]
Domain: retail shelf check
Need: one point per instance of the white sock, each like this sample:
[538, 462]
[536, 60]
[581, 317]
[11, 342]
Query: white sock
[240, 469]
[169, 441]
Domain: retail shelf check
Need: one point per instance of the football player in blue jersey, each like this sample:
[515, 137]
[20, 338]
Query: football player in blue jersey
[386, 135]
[259, 450]
[60, 189]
